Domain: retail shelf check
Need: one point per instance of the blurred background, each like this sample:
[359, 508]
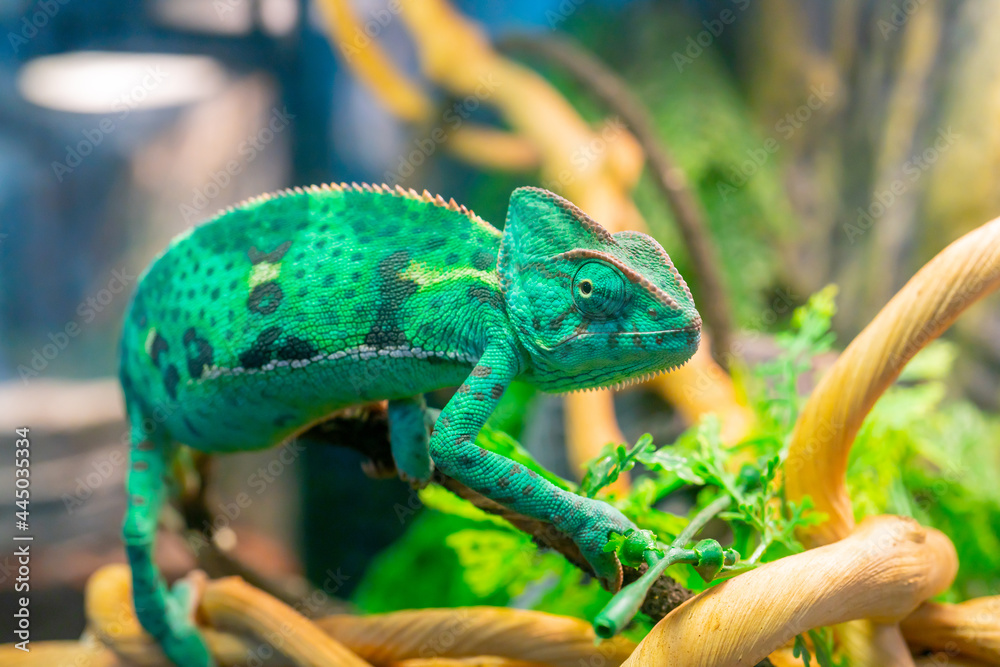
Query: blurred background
[820, 142]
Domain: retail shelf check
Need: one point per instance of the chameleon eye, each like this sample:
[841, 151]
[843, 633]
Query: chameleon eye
[599, 290]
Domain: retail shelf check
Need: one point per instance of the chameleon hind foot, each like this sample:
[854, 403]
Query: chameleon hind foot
[183, 643]
[410, 440]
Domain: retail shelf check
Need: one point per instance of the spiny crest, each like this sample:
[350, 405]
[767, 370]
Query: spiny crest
[373, 188]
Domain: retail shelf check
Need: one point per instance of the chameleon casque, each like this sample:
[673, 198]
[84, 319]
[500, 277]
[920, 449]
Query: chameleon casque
[265, 320]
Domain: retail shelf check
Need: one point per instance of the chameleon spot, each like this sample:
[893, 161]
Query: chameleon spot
[190, 426]
[532, 473]
[435, 242]
[515, 469]
[138, 500]
[157, 347]
[486, 296]
[281, 421]
[233, 285]
[463, 389]
[482, 452]
[140, 466]
[528, 490]
[320, 243]
[199, 353]
[482, 260]
[497, 391]
[462, 439]
[210, 271]
[349, 294]
[653, 313]
[170, 379]
[329, 280]
[256, 256]
[196, 267]
[481, 371]
[215, 294]
[479, 396]
[452, 258]
[261, 350]
[229, 266]
[356, 276]
[201, 313]
[357, 257]
[146, 446]
[190, 293]
[337, 252]
[393, 292]
[296, 348]
[301, 273]
[303, 293]
[265, 298]
[183, 275]
[503, 482]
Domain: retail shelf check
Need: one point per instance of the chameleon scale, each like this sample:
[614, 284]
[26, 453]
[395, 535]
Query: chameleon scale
[262, 322]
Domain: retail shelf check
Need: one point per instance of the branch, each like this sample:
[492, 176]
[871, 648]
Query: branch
[366, 430]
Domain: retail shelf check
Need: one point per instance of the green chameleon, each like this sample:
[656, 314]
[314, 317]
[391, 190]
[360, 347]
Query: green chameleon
[264, 321]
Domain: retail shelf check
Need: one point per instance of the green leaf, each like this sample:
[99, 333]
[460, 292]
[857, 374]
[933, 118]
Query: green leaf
[801, 650]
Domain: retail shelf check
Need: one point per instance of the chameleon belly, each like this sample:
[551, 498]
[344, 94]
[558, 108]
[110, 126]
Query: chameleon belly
[267, 318]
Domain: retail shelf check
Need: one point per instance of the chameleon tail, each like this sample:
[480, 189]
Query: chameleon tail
[163, 613]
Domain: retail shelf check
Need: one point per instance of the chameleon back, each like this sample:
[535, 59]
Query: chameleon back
[262, 321]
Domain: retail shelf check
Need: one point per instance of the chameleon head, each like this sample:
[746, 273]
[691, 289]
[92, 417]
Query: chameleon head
[592, 309]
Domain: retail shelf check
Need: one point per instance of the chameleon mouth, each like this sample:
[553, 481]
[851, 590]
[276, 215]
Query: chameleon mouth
[628, 334]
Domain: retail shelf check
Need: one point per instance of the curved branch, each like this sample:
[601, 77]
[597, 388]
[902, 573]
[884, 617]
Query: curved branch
[887, 567]
[957, 277]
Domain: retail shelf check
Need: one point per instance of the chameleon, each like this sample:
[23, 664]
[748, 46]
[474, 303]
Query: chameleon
[267, 319]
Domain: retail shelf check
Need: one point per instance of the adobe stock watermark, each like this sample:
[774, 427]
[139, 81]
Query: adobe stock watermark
[913, 170]
[714, 28]
[259, 481]
[32, 22]
[87, 311]
[452, 119]
[562, 12]
[102, 470]
[586, 154]
[93, 137]
[784, 130]
[898, 16]
[248, 151]
[365, 34]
